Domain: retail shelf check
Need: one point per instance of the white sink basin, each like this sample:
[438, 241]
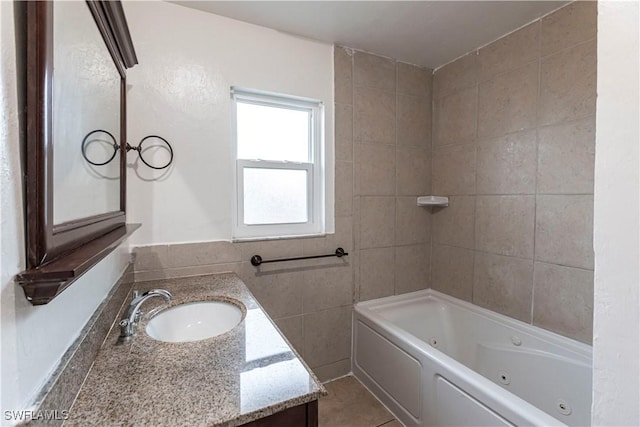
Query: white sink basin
[194, 321]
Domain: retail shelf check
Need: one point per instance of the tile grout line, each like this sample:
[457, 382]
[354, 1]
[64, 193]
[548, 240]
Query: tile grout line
[431, 188]
[395, 177]
[534, 260]
[475, 193]
[535, 200]
[572, 120]
[567, 48]
[355, 233]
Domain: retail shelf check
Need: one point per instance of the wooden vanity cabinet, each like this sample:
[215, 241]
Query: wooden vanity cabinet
[305, 415]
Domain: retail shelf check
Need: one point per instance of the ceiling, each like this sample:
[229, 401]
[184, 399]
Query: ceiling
[427, 33]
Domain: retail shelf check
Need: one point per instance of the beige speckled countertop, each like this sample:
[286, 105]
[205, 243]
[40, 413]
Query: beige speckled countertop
[245, 374]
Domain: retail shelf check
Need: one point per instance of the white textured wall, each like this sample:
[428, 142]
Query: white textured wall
[616, 328]
[32, 339]
[188, 61]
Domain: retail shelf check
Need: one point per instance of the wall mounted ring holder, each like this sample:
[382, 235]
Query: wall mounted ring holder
[140, 148]
[87, 142]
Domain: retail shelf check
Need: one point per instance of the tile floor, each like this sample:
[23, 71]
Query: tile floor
[349, 404]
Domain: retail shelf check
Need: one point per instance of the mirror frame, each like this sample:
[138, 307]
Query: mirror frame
[48, 243]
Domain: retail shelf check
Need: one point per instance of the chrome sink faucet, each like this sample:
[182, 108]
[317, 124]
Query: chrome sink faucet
[129, 321]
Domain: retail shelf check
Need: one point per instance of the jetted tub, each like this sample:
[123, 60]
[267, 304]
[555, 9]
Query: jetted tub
[434, 360]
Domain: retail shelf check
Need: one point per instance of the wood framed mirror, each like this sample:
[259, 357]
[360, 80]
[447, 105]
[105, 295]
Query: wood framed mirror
[77, 54]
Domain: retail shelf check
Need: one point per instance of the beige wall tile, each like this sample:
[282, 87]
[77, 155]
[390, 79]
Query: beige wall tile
[564, 230]
[455, 118]
[412, 268]
[248, 273]
[343, 237]
[343, 78]
[574, 23]
[333, 370]
[354, 260]
[375, 170]
[344, 189]
[357, 223]
[344, 132]
[325, 288]
[414, 121]
[146, 258]
[312, 264]
[509, 52]
[452, 271]
[376, 273]
[270, 249]
[568, 84]
[413, 80]
[507, 103]
[505, 224]
[413, 171]
[377, 222]
[507, 164]
[454, 225]
[291, 327]
[375, 116]
[454, 170]
[279, 294]
[374, 71]
[413, 222]
[198, 270]
[456, 75]
[327, 336]
[566, 157]
[563, 301]
[205, 253]
[504, 284]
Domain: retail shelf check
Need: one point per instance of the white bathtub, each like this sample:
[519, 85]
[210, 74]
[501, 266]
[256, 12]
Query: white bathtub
[434, 360]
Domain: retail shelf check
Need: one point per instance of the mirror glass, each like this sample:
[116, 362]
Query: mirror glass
[86, 117]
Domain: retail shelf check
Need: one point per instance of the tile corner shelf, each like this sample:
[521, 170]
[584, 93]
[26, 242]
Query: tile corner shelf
[433, 201]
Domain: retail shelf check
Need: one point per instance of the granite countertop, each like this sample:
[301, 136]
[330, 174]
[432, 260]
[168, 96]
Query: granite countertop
[245, 374]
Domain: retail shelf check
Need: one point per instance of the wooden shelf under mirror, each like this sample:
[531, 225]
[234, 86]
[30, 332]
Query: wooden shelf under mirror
[42, 284]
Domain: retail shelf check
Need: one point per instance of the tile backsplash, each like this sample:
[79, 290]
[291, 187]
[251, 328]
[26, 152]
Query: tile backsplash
[310, 301]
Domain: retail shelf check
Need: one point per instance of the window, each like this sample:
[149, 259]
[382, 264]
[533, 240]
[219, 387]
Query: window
[279, 179]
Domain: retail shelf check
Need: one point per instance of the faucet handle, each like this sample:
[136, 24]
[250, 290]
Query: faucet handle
[161, 292]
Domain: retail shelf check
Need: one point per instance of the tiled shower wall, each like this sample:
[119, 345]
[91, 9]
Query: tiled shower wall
[382, 158]
[513, 147]
[383, 139]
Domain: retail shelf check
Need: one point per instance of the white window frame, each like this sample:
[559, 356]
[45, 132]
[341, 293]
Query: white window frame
[315, 224]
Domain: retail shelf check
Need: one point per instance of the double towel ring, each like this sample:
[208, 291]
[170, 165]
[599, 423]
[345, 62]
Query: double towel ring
[86, 141]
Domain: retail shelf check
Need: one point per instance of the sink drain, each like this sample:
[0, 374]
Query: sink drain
[433, 342]
[563, 407]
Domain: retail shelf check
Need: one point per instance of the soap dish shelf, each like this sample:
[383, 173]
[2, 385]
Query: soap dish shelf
[433, 201]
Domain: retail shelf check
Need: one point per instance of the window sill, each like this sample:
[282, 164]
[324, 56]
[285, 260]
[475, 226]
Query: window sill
[264, 239]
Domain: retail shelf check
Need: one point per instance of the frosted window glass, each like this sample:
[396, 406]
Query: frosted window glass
[275, 196]
[272, 133]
